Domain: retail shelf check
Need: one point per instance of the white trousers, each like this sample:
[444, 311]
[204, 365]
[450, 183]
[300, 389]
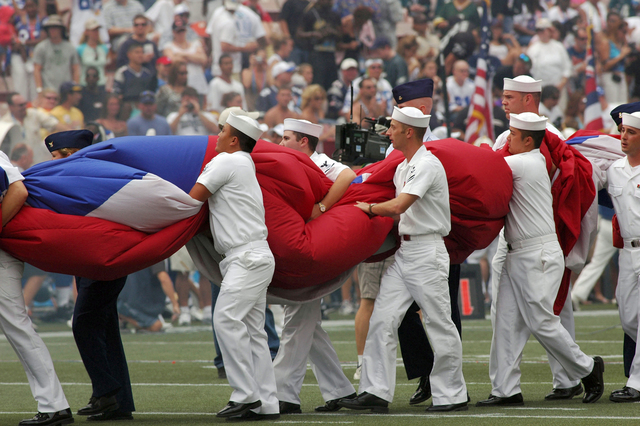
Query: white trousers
[23, 80]
[303, 337]
[238, 319]
[603, 251]
[419, 273]
[628, 297]
[527, 289]
[29, 347]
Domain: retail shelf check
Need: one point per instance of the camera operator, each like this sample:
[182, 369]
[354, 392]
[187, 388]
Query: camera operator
[190, 119]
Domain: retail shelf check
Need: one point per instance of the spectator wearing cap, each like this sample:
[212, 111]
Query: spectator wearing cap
[29, 122]
[63, 144]
[55, 60]
[67, 112]
[190, 119]
[81, 12]
[321, 27]
[340, 88]
[192, 53]
[148, 122]
[131, 80]
[92, 52]
[281, 74]
[395, 66]
[118, 18]
[551, 62]
[29, 32]
[223, 84]
[163, 65]
[181, 15]
[384, 89]
[282, 110]
[460, 87]
[94, 96]
[139, 36]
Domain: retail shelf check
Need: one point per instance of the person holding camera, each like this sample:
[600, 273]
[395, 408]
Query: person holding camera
[190, 119]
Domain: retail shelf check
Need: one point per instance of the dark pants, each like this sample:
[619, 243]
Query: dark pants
[269, 326]
[628, 353]
[417, 354]
[325, 70]
[97, 334]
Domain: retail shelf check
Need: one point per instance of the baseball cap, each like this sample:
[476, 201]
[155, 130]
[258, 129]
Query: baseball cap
[147, 97]
[69, 86]
[348, 63]
[281, 67]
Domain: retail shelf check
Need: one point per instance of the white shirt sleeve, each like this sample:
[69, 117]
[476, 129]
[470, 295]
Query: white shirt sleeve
[217, 172]
[418, 180]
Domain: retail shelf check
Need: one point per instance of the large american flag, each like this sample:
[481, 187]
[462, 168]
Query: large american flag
[593, 110]
[480, 119]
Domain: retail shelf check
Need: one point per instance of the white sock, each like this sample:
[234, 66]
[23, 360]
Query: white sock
[359, 359]
[184, 309]
[206, 312]
[63, 294]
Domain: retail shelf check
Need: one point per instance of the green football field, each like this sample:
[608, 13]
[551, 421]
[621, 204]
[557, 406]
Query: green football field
[175, 383]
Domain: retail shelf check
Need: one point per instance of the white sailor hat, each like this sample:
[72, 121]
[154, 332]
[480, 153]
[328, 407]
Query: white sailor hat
[523, 83]
[528, 121]
[237, 111]
[411, 116]
[246, 125]
[631, 120]
[302, 126]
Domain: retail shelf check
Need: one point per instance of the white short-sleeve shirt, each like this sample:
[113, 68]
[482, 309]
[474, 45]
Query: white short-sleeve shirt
[12, 173]
[424, 177]
[329, 167]
[236, 209]
[624, 189]
[531, 205]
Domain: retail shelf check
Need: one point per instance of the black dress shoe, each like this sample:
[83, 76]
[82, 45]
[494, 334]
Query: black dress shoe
[99, 405]
[236, 409]
[564, 393]
[366, 401]
[594, 382]
[332, 405]
[63, 417]
[462, 406]
[251, 416]
[626, 394]
[496, 401]
[110, 416]
[222, 373]
[289, 408]
[422, 393]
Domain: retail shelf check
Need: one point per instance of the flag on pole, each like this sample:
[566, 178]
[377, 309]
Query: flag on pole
[593, 110]
[480, 118]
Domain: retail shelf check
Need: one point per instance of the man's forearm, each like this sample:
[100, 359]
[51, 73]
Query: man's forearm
[13, 201]
[338, 188]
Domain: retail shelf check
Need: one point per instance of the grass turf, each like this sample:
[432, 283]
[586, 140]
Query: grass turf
[174, 381]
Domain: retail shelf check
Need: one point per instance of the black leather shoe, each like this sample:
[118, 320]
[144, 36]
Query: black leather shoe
[235, 409]
[289, 408]
[222, 373]
[111, 416]
[462, 406]
[594, 382]
[422, 393]
[99, 405]
[626, 394]
[63, 417]
[564, 393]
[332, 405]
[496, 401]
[251, 416]
[366, 401]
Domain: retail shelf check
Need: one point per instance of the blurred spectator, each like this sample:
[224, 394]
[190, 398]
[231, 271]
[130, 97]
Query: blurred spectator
[290, 15]
[341, 87]
[613, 51]
[430, 70]
[456, 10]
[562, 12]
[48, 100]
[522, 66]
[181, 15]
[92, 53]
[55, 59]
[133, 79]
[596, 14]
[282, 47]
[163, 65]
[407, 48]
[224, 84]
[460, 88]
[254, 78]
[357, 32]
[524, 22]
[139, 37]
[550, 59]
[625, 8]
[281, 74]
[231, 99]
[21, 157]
[314, 99]
[142, 299]
[254, 5]
[383, 92]
[504, 11]
[366, 104]
[29, 121]
[81, 12]
[148, 123]
[111, 116]
[503, 46]
[578, 55]
[428, 43]
[29, 33]
[322, 28]
[67, 112]
[302, 77]
[574, 112]
[234, 29]
[391, 12]
[549, 105]
[118, 18]
[275, 134]
[395, 66]
[192, 53]
[94, 96]
[169, 95]
[459, 43]
[190, 119]
[281, 110]
[161, 15]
